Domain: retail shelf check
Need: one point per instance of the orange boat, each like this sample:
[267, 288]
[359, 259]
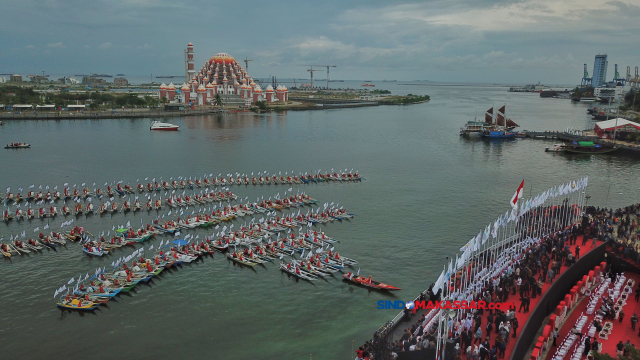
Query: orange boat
[368, 282]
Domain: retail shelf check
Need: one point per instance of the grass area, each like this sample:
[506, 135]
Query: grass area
[404, 100]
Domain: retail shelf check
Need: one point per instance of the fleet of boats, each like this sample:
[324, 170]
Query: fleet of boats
[311, 253]
[287, 238]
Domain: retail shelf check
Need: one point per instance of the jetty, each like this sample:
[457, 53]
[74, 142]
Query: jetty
[586, 135]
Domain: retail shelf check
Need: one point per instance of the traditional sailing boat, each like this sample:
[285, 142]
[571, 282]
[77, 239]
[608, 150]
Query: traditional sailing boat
[502, 128]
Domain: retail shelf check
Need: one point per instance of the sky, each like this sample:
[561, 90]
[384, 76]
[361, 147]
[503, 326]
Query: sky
[498, 41]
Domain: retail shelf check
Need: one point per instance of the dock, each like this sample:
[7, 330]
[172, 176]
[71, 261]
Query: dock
[541, 134]
[587, 135]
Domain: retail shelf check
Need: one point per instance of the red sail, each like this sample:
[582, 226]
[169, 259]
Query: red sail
[501, 110]
[500, 119]
[488, 116]
[511, 123]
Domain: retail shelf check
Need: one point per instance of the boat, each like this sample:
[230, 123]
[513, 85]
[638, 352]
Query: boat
[17, 146]
[368, 282]
[157, 125]
[556, 148]
[76, 304]
[240, 261]
[301, 275]
[93, 251]
[588, 147]
[587, 100]
[502, 128]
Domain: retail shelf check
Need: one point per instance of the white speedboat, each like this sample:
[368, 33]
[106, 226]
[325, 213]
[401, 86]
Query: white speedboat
[157, 125]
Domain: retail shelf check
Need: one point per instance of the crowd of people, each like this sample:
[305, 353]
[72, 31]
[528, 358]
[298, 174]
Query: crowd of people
[542, 262]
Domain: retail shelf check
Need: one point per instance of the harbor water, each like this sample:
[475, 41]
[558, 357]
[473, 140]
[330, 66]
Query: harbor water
[427, 192]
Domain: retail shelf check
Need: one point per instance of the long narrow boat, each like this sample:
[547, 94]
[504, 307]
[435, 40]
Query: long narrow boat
[284, 268]
[75, 304]
[368, 282]
[242, 262]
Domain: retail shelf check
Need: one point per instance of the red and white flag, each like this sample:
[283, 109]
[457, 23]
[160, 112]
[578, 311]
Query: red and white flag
[518, 195]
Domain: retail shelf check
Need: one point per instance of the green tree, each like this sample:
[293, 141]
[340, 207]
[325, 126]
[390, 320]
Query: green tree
[217, 100]
[121, 101]
[262, 105]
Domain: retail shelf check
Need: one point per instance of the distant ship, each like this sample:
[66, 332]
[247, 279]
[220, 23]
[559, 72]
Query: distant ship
[385, 80]
[336, 80]
[371, 85]
[121, 75]
[168, 76]
[99, 75]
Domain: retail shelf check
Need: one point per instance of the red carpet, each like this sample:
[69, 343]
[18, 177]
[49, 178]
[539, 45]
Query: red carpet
[522, 317]
[621, 332]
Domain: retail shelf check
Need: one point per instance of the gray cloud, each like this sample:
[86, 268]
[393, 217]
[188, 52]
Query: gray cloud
[459, 40]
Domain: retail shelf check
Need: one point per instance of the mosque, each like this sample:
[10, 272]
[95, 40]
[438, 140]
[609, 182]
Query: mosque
[223, 75]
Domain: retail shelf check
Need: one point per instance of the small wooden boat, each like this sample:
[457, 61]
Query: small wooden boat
[300, 275]
[93, 251]
[588, 147]
[240, 261]
[368, 282]
[76, 304]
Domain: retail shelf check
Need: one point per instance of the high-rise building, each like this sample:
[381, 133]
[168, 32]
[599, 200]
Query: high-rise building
[599, 75]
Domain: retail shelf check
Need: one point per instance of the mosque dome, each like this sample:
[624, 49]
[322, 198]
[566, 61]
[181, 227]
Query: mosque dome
[222, 58]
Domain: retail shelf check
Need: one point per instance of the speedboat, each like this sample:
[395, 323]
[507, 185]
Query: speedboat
[157, 125]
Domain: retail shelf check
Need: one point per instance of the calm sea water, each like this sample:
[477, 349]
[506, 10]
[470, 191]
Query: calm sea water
[427, 191]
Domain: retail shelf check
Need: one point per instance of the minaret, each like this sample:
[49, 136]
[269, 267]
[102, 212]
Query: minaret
[190, 66]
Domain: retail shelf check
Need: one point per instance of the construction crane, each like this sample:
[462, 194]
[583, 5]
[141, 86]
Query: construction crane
[246, 64]
[311, 70]
[327, 66]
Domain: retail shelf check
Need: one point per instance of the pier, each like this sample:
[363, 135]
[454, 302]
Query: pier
[587, 135]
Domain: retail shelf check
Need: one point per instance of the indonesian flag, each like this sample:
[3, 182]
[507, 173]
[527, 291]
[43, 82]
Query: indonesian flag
[518, 195]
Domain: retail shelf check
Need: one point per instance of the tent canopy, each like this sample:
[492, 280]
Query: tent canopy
[180, 242]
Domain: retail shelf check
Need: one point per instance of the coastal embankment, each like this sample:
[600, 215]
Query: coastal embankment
[118, 114]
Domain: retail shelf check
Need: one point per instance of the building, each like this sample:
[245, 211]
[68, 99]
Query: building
[220, 75]
[16, 78]
[3, 80]
[68, 81]
[599, 75]
[90, 80]
[120, 82]
[38, 79]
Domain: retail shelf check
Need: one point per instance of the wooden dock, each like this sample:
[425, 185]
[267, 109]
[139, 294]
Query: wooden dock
[541, 134]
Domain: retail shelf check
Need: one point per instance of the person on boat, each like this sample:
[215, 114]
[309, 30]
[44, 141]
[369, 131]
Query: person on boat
[298, 270]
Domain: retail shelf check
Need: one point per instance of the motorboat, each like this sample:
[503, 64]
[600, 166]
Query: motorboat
[157, 125]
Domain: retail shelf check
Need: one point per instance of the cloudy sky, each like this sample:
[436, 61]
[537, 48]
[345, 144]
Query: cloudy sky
[443, 40]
